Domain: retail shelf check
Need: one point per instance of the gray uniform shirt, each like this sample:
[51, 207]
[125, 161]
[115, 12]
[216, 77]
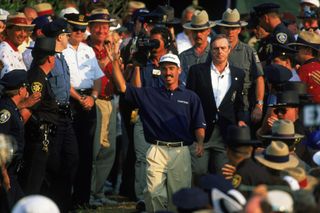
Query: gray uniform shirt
[189, 58]
[246, 58]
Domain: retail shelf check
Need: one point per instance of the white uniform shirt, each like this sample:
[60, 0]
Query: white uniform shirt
[11, 58]
[221, 83]
[83, 66]
[183, 42]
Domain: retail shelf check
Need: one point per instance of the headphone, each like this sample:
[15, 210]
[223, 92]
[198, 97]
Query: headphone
[165, 34]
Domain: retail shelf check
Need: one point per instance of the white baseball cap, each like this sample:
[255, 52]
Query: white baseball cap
[314, 2]
[68, 10]
[316, 158]
[3, 14]
[170, 58]
[280, 201]
[35, 204]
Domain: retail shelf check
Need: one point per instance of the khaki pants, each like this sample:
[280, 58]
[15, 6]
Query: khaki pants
[168, 170]
[104, 146]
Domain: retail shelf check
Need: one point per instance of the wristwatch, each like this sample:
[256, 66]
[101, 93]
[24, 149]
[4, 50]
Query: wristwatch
[260, 102]
[95, 97]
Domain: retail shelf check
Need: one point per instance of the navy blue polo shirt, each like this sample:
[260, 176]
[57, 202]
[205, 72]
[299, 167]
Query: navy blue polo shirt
[167, 115]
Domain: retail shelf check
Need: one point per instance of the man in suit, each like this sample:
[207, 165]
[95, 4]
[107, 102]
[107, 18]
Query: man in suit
[219, 87]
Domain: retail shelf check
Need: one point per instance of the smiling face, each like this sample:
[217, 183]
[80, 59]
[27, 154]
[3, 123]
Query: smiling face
[17, 34]
[99, 31]
[170, 72]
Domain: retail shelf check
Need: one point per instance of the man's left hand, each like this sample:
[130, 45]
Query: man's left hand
[242, 123]
[199, 149]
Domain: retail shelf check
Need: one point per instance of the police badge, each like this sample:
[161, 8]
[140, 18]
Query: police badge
[281, 38]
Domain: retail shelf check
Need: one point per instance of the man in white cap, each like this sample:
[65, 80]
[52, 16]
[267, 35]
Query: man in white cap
[180, 124]
[245, 58]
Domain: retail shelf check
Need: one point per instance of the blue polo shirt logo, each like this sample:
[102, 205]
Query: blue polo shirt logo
[182, 102]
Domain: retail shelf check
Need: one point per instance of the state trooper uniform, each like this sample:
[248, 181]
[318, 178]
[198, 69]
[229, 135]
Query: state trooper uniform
[11, 123]
[280, 34]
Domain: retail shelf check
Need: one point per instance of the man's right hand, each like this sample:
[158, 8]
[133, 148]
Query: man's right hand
[30, 101]
[228, 171]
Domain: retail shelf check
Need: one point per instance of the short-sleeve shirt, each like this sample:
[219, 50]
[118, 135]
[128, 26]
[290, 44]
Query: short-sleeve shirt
[151, 76]
[11, 122]
[11, 58]
[59, 79]
[281, 35]
[27, 56]
[46, 109]
[189, 58]
[246, 58]
[83, 66]
[167, 115]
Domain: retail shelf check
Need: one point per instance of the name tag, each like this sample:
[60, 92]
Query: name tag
[156, 72]
[182, 102]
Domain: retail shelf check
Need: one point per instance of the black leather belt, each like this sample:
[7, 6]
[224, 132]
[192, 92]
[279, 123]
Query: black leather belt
[106, 98]
[167, 143]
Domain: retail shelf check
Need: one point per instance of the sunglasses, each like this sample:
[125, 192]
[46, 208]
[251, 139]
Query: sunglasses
[280, 110]
[76, 29]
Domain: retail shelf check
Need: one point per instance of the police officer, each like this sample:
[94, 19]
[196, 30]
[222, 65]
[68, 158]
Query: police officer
[66, 155]
[240, 166]
[270, 20]
[11, 123]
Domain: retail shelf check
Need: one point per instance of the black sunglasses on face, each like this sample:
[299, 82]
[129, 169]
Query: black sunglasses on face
[76, 29]
[279, 110]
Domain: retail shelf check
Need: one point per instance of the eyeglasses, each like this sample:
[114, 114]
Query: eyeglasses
[280, 110]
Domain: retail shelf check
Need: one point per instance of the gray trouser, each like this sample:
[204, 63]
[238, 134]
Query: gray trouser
[141, 147]
[104, 146]
[214, 151]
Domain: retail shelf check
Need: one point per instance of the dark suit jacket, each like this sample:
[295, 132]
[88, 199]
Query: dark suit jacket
[231, 108]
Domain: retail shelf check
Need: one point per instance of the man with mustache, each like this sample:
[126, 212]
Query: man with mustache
[169, 135]
[200, 27]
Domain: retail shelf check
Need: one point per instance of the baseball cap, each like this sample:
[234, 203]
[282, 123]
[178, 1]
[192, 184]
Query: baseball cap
[170, 58]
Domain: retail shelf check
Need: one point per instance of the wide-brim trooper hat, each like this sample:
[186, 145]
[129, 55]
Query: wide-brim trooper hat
[307, 39]
[200, 21]
[231, 18]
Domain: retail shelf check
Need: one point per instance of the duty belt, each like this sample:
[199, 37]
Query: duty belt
[168, 143]
[84, 91]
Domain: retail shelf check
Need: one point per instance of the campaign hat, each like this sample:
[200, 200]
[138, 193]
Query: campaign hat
[231, 18]
[308, 39]
[277, 156]
[240, 136]
[200, 21]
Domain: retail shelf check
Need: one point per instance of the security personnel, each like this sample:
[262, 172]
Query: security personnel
[240, 166]
[41, 114]
[85, 76]
[66, 162]
[11, 123]
[270, 20]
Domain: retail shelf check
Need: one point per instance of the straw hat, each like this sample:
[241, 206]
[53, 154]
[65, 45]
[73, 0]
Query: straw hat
[231, 18]
[282, 130]
[199, 21]
[276, 156]
[100, 15]
[305, 181]
[308, 39]
[18, 19]
[44, 9]
[135, 5]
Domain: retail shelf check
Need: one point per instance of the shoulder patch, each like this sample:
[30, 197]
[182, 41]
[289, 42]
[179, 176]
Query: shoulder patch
[4, 116]
[256, 57]
[36, 87]
[236, 180]
[281, 38]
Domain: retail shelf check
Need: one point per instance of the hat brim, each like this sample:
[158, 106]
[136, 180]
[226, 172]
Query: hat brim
[296, 136]
[21, 25]
[305, 45]
[293, 162]
[220, 201]
[173, 22]
[77, 23]
[189, 26]
[102, 21]
[284, 105]
[237, 143]
[221, 23]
